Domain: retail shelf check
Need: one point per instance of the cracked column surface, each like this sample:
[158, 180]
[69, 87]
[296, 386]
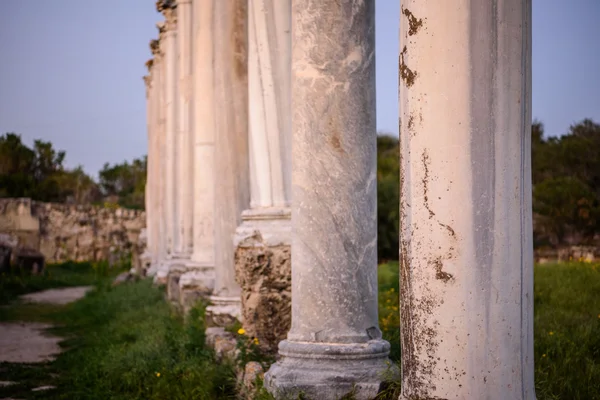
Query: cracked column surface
[465, 206]
[334, 346]
[232, 189]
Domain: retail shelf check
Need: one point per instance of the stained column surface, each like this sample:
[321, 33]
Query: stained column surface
[334, 341]
[232, 192]
[466, 232]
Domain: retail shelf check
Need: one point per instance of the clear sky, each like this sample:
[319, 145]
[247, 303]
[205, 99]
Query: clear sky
[71, 71]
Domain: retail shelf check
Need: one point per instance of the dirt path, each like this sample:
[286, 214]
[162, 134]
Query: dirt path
[27, 342]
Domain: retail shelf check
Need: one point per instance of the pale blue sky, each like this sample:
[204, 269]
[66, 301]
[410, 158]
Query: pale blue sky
[71, 71]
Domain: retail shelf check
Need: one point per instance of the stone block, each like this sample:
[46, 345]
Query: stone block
[264, 275]
[29, 260]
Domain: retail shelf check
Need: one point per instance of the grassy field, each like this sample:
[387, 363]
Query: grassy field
[125, 342]
[566, 327]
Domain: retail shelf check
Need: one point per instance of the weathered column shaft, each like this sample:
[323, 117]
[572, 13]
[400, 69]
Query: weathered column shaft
[334, 343]
[184, 134]
[170, 130]
[204, 134]
[148, 199]
[162, 145]
[232, 192]
[199, 277]
[269, 63]
[465, 209]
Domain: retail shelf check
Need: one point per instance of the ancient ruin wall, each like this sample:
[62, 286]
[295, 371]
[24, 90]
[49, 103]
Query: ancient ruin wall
[72, 232]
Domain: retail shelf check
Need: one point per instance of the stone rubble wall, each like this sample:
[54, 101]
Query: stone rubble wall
[567, 253]
[264, 274]
[72, 232]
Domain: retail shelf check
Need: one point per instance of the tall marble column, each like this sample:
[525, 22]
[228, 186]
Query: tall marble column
[145, 258]
[334, 346]
[264, 237]
[465, 206]
[162, 145]
[200, 277]
[184, 132]
[232, 191]
[170, 59]
[158, 111]
[154, 158]
[183, 185]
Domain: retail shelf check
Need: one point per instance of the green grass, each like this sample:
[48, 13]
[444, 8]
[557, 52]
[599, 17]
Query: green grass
[125, 342]
[121, 338]
[68, 274]
[566, 327]
[567, 331]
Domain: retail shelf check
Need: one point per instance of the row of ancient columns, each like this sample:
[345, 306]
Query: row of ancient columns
[261, 121]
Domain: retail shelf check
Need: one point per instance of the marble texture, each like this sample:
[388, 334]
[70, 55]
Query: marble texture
[465, 207]
[183, 185]
[232, 192]
[334, 344]
[204, 134]
[269, 68]
[170, 178]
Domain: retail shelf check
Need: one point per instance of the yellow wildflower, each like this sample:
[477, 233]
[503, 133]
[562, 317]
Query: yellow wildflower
[550, 333]
[255, 340]
[158, 374]
[241, 331]
[543, 355]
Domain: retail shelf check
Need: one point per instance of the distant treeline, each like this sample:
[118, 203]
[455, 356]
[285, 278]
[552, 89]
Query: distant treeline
[38, 173]
[566, 183]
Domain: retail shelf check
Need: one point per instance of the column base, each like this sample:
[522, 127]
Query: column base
[330, 371]
[144, 263]
[224, 311]
[196, 283]
[162, 274]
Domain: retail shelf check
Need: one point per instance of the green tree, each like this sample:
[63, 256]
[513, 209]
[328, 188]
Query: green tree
[126, 182]
[566, 181]
[16, 167]
[38, 173]
[388, 197]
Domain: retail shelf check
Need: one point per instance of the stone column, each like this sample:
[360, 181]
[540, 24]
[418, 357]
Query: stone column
[465, 208]
[162, 146]
[154, 158]
[170, 58]
[232, 191]
[145, 258]
[183, 186]
[263, 239]
[158, 111]
[200, 277]
[334, 345]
